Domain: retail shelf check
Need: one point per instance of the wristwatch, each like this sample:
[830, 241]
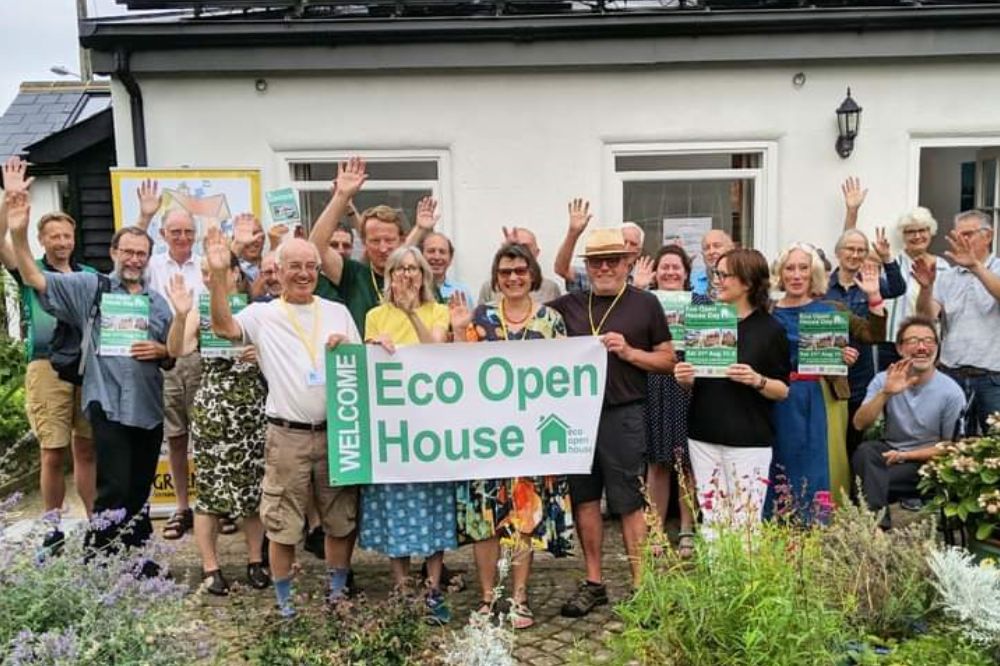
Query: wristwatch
[762, 383]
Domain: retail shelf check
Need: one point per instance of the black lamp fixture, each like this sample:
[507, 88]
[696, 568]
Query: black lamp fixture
[848, 120]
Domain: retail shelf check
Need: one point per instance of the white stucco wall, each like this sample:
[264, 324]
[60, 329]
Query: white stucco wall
[523, 143]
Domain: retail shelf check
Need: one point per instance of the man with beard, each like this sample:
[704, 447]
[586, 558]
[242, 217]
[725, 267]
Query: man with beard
[922, 407]
[122, 395]
[52, 404]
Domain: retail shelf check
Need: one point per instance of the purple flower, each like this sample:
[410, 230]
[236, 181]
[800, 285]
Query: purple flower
[107, 519]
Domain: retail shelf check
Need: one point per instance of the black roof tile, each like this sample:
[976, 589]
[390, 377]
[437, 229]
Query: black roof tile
[42, 109]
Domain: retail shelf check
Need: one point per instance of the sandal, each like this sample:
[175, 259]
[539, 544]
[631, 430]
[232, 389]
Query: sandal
[520, 615]
[258, 576]
[178, 523]
[215, 583]
[685, 545]
[227, 525]
[485, 607]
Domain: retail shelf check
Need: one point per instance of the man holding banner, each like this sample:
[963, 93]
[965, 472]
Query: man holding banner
[289, 334]
[631, 325]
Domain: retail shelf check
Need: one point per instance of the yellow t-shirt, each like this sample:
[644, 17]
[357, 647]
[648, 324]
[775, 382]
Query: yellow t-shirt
[389, 320]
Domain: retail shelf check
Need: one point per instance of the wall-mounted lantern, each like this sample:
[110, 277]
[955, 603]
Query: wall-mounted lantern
[848, 120]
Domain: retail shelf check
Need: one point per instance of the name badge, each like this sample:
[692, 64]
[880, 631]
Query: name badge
[315, 378]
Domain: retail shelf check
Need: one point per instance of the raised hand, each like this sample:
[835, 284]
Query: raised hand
[882, 245]
[150, 200]
[14, 180]
[867, 280]
[961, 252]
[18, 211]
[350, 177]
[509, 234]
[246, 229]
[217, 251]
[181, 298]
[276, 234]
[854, 195]
[898, 378]
[642, 274]
[458, 310]
[427, 215]
[924, 271]
[579, 215]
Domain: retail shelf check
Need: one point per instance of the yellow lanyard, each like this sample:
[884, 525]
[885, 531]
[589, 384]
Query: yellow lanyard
[309, 343]
[378, 292]
[596, 330]
[503, 319]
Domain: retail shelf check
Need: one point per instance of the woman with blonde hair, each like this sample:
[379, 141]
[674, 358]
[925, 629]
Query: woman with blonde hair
[404, 520]
[810, 452]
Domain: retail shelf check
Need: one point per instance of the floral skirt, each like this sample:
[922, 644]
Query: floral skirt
[535, 506]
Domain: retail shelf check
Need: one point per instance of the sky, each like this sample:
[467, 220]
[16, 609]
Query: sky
[38, 34]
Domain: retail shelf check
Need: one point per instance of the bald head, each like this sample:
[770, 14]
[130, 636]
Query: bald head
[526, 238]
[714, 244]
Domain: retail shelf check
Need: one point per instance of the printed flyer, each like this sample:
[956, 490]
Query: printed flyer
[124, 321]
[212, 346]
[822, 338]
[283, 205]
[710, 338]
[674, 303]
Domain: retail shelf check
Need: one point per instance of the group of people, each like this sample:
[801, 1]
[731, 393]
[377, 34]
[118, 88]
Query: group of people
[760, 441]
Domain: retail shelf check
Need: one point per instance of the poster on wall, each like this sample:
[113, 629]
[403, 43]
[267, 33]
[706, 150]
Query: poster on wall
[686, 232]
[212, 196]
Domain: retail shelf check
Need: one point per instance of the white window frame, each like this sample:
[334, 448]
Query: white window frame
[919, 142]
[764, 177]
[440, 188]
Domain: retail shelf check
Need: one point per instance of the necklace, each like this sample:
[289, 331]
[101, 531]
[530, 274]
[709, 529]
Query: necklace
[596, 330]
[504, 319]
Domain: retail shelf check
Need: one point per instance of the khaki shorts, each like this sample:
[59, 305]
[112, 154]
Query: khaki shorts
[295, 469]
[179, 386]
[53, 407]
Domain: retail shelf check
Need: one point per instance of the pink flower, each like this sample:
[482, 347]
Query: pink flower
[707, 504]
[763, 480]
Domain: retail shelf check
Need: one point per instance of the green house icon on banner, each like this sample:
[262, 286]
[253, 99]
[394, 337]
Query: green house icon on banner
[552, 431]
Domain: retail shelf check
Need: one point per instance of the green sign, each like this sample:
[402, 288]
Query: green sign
[710, 338]
[212, 346]
[674, 303]
[124, 321]
[283, 205]
[822, 338]
[348, 421]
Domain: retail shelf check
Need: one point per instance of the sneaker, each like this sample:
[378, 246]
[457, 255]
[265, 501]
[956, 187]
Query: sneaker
[437, 612]
[258, 576]
[911, 504]
[215, 583]
[586, 598]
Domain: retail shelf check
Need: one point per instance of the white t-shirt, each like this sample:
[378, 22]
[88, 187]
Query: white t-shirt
[284, 358]
[162, 267]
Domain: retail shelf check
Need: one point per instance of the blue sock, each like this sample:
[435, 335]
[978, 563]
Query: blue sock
[336, 581]
[283, 591]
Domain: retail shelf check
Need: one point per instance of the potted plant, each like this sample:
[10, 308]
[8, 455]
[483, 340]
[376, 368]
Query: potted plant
[964, 481]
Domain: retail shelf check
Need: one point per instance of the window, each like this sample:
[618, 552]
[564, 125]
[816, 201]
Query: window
[399, 180]
[676, 192]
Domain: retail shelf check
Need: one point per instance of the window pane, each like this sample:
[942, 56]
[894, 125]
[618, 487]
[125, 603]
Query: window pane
[325, 171]
[727, 203]
[672, 162]
[989, 182]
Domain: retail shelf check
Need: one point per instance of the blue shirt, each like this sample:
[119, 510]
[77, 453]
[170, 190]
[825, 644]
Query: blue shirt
[448, 287]
[129, 391]
[921, 415]
[700, 284]
[891, 285]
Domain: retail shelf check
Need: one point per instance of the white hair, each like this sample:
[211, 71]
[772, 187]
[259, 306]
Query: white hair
[633, 225]
[918, 217]
[279, 253]
[847, 234]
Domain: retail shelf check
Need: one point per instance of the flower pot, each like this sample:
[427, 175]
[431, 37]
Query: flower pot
[985, 548]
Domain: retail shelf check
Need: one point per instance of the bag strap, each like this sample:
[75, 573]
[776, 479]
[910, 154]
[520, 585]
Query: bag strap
[103, 286]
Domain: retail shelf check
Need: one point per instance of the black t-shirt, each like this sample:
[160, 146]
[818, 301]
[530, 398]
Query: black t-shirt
[637, 315]
[726, 412]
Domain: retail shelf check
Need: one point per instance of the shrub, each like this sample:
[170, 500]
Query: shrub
[970, 594]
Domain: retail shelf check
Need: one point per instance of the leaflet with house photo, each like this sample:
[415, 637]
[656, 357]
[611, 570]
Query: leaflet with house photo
[822, 338]
[710, 338]
[283, 205]
[674, 303]
[212, 346]
[124, 321]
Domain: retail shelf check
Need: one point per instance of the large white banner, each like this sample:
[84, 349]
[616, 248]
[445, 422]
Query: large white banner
[463, 411]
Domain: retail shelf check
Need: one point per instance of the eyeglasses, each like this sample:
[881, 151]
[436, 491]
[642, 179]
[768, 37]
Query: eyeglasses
[344, 245]
[296, 267]
[134, 254]
[598, 262]
[519, 271]
[406, 270]
[722, 275]
[928, 341]
[919, 231]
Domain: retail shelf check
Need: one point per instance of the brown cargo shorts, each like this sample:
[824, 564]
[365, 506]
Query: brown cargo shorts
[180, 383]
[53, 407]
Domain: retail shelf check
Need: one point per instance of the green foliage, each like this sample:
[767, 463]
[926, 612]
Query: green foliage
[13, 422]
[936, 649]
[387, 633]
[745, 599]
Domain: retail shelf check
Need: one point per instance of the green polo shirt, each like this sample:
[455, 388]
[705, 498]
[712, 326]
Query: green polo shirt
[37, 325]
[361, 289]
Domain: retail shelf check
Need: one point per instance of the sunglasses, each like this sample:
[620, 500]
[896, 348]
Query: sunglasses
[519, 271]
[610, 262]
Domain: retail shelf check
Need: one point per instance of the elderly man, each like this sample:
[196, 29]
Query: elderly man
[290, 333]
[714, 244]
[631, 325]
[575, 277]
[52, 404]
[966, 298]
[122, 395]
[178, 230]
[439, 253]
[921, 406]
